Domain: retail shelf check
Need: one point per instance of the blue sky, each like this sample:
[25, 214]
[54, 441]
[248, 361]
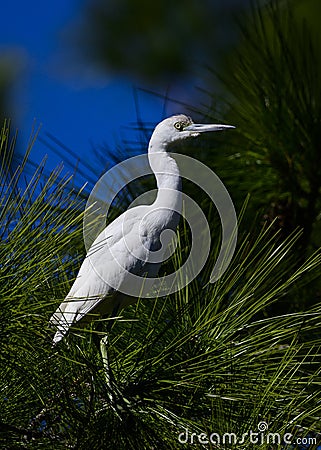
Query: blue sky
[77, 106]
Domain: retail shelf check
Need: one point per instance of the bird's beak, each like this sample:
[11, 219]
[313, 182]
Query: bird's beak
[201, 128]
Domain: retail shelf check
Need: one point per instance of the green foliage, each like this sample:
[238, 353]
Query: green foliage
[39, 247]
[208, 358]
[155, 41]
[274, 87]
[211, 358]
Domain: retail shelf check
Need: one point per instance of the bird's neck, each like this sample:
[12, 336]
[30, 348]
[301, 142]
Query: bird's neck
[167, 177]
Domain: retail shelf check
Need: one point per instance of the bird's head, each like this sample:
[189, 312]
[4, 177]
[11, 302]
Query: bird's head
[180, 127]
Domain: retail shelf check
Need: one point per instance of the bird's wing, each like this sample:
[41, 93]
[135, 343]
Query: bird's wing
[100, 275]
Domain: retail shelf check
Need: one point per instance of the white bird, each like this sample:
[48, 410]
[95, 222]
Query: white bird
[128, 245]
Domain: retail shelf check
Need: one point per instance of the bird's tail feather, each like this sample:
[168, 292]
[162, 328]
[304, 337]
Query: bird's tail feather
[62, 321]
[72, 310]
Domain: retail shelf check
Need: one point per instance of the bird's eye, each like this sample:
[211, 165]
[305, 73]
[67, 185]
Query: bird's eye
[179, 126]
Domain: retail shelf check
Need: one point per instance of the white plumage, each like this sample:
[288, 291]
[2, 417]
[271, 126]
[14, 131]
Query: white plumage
[128, 245]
